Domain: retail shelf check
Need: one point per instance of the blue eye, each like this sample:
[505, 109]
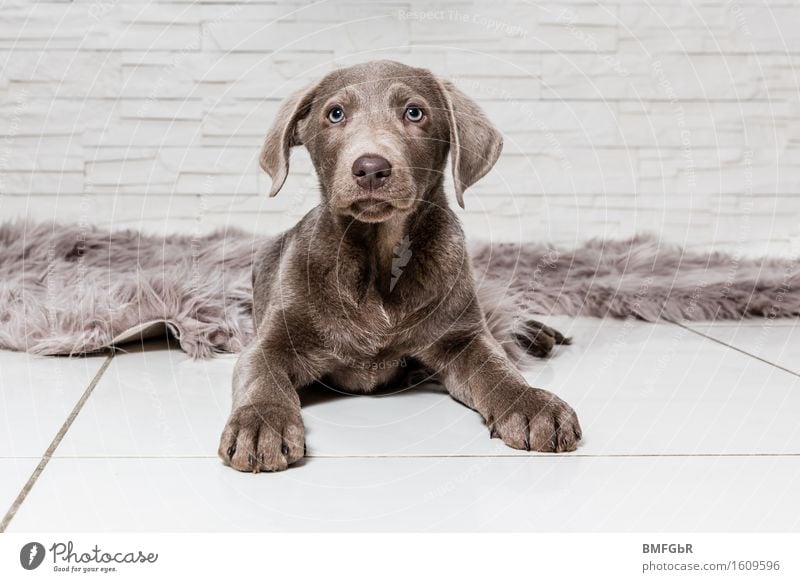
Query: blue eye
[336, 114]
[414, 114]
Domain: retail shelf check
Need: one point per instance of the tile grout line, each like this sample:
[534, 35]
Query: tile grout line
[48, 454]
[444, 456]
[549, 456]
[740, 350]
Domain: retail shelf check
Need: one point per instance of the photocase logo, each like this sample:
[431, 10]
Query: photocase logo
[31, 555]
[402, 254]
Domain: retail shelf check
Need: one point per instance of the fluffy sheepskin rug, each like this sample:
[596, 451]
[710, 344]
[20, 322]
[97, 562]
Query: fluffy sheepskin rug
[67, 289]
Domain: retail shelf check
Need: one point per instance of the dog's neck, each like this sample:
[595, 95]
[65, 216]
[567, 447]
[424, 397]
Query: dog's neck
[378, 239]
[392, 242]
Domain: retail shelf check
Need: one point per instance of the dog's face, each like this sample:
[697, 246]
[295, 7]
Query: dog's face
[379, 135]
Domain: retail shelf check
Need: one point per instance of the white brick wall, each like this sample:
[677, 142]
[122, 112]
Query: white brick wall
[620, 116]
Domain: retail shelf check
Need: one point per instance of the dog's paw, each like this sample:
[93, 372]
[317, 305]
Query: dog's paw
[262, 437]
[534, 420]
[539, 339]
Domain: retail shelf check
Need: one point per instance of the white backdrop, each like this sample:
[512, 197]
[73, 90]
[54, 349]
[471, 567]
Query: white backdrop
[678, 117]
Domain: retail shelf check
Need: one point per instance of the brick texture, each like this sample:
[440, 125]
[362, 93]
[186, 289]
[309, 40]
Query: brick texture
[620, 116]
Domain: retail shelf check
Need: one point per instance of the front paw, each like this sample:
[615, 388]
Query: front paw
[533, 419]
[262, 437]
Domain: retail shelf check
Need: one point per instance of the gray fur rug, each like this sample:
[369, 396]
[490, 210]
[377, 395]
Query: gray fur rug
[67, 289]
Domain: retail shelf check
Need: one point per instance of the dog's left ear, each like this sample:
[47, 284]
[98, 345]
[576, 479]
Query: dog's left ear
[475, 144]
[284, 135]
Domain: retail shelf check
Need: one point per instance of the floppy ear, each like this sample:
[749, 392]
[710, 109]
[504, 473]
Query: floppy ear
[284, 135]
[475, 144]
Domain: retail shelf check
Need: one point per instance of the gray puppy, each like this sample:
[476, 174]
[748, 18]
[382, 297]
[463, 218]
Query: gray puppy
[328, 305]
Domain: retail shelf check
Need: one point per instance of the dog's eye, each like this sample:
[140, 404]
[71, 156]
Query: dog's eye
[414, 114]
[336, 114]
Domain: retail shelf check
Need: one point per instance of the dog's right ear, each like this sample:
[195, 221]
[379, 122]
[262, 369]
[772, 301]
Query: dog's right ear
[284, 135]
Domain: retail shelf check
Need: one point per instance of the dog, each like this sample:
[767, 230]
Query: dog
[333, 302]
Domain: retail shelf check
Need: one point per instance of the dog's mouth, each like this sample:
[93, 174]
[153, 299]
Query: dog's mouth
[372, 209]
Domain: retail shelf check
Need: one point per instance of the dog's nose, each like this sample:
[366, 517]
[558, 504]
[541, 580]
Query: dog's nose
[371, 172]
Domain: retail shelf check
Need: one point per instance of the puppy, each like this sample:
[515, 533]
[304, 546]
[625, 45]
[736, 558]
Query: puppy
[379, 273]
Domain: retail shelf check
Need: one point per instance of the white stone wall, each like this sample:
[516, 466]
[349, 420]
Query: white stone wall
[678, 117]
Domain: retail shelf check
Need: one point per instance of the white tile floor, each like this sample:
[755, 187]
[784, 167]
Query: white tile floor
[686, 429]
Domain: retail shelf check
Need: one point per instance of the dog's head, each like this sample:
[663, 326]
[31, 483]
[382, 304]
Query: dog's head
[379, 134]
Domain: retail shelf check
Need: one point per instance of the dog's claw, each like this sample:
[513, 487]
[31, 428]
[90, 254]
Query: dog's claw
[285, 449]
[231, 450]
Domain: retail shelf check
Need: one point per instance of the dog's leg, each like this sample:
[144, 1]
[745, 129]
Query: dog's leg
[478, 373]
[265, 430]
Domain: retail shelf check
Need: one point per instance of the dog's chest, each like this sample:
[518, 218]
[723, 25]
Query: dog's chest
[365, 328]
[372, 321]
[368, 348]
[362, 328]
